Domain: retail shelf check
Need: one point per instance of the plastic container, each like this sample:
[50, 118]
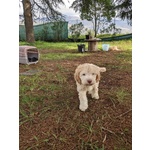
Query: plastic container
[105, 47]
[87, 37]
[28, 55]
[81, 48]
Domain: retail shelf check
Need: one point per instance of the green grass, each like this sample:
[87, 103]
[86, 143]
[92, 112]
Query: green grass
[122, 95]
[53, 45]
[62, 56]
[71, 49]
[123, 45]
[125, 56]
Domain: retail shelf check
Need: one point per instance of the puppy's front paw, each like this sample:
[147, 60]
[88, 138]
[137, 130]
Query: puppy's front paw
[95, 96]
[83, 107]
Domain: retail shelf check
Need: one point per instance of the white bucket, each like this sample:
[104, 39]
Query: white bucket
[105, 47]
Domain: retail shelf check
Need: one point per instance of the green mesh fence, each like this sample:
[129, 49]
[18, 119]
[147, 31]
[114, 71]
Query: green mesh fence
[53, 31]
[22, 35]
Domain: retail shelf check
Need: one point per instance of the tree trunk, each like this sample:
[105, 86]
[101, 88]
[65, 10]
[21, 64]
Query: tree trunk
[95, 17]
[28, 21]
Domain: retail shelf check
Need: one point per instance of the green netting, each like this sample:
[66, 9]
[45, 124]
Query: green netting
[22, 35]
[53, 31]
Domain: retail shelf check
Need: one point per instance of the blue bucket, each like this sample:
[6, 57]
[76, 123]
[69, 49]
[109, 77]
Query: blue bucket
[105, 47]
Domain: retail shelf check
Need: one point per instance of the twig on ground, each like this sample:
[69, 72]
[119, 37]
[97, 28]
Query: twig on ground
[123, 113]
[108, 130]
[104, 138]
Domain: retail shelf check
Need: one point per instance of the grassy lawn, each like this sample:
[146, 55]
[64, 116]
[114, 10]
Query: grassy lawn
[124, 45]
[49, 115]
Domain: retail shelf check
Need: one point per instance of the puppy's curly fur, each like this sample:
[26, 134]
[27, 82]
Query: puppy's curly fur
[87, 77]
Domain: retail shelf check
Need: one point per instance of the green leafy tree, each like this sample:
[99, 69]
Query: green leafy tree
[124, 10]
[100, 12]
[39, 8]
[75, 30]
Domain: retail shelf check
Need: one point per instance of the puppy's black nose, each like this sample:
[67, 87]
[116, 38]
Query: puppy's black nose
[89, 81]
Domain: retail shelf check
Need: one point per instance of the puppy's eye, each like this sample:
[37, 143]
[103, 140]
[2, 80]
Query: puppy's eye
[93, 74]
[83, 74]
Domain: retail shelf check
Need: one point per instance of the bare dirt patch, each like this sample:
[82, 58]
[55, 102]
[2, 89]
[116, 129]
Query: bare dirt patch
[49, 114]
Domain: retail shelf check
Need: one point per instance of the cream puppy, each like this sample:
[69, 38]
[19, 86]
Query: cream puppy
[87, 77]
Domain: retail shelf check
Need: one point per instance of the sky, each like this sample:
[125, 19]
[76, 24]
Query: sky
[68, 11]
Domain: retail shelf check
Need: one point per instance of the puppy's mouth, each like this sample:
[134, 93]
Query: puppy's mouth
[89, 84]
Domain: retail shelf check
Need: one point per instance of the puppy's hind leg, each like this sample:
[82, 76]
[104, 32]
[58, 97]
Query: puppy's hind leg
[83, 100]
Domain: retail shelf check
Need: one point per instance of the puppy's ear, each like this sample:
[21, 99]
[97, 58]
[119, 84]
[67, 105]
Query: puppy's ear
[77, 76]
[97, 77]
[102, 69]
